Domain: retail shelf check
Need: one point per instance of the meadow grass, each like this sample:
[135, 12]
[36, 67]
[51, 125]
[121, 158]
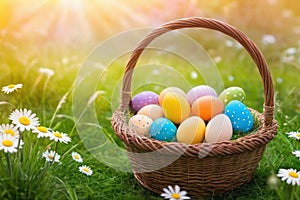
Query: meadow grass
[52, 102]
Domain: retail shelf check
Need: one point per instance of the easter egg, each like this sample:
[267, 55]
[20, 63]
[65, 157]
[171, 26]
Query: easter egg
[199, 91]
[191, 130]
[163, 129]
[175, 107]
[239, 115]
[232, 93]
[153, 111]
[207, 107]
[141, 124]
[142, 99]
[218, 129]
[175, 90]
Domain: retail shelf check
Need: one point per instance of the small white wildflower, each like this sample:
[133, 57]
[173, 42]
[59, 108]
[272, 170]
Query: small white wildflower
[174, 193]
[46, 71]
[268, 39]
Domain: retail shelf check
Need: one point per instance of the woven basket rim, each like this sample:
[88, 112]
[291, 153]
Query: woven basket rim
[249, 142]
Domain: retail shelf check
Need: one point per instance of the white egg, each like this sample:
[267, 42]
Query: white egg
[218, 129]
[141, 124]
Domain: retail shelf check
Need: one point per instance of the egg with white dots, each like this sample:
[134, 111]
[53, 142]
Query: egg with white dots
[142, 99]
[232, 93]
[163, 129]
[141, 124]
[239, 115]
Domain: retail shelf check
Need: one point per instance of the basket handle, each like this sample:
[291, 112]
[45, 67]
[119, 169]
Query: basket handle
[200, 22]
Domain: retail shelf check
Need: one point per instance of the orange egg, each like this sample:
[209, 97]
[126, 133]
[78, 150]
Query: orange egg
[207, 107]
[174, 90]
[175, 107]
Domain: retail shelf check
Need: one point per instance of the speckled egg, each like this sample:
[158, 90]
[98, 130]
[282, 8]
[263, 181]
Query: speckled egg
[142, 99]
[175, 90]
[218, 129]
[141, 124]
[232, 93]
[207, 107]
[191, 130]
[153, 111]
[175, 107]
[163, 129]
[200, 91]
[239, 115]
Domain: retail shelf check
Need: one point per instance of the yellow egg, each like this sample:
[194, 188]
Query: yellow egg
[174, 90]
[191, 130]
[175, 107]
[153, 111]
[218, 129]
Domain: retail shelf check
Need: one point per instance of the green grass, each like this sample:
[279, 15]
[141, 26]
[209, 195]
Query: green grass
[108, 183]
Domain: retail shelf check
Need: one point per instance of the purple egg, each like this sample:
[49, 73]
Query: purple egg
[142, 99]
[199, 91]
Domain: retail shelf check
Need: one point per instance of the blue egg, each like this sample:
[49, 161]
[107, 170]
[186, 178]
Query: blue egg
[239, 115]
[163, 129]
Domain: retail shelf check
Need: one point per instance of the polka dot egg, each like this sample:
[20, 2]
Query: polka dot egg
[163, 129]
[142, 99]
[232, 93]
[141, 124]
[239, 115]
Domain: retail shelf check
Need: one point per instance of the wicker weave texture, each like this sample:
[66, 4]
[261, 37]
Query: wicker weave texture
[201, 169]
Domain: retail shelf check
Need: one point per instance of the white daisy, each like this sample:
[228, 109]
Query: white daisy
[51, 156]
[295, 135]
[46, 71]
[86, 170]
[297, 153]
[9, 129]
[60, 137]
[77, 157]
[9, 143]
[24, 119]
[291, 176]
[174, 194]
[11, 88]
[42, 131]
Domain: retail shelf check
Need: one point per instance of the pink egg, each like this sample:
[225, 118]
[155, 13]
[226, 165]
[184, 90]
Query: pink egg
[142, 99]
[153, 111]
[218, 129]
[199, 91]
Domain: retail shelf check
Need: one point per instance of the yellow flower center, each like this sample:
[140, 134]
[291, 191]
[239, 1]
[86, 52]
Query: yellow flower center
[76, 156]
[50, 157]
[298, 135]
[57, 134]
[9, 131]
[176, 196]
[10, 86]
[86, 169]
[293, 174]
[42, 129]
[24, 120]
[7, 143]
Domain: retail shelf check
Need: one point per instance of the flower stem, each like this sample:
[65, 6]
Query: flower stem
[44, 98]
[9, 168]
[55, 152]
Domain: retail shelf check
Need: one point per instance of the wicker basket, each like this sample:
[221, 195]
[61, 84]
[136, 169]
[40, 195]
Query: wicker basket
[201, 169]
